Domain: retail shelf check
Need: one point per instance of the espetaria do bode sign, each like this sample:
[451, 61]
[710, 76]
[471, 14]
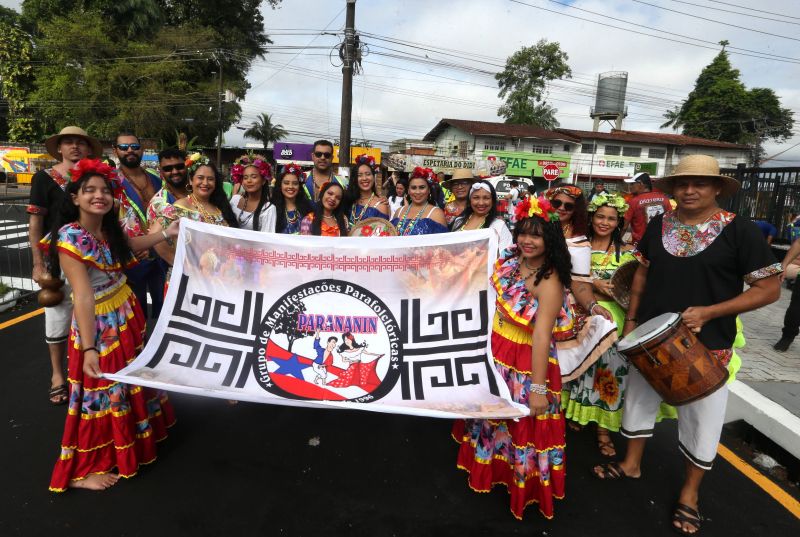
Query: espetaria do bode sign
[390, 324]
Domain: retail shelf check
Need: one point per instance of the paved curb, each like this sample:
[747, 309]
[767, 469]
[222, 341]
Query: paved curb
[767, 416]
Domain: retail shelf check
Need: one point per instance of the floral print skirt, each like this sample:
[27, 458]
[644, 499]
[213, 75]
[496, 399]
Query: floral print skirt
[527, 455]
[109, 424]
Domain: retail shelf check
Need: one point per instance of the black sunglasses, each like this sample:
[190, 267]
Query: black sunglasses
[322, 154]
[169, 167]
[125, 147]
[568, 206]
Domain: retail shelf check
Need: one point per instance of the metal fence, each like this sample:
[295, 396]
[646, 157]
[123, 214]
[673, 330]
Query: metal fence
[771, 194]
[15, 250]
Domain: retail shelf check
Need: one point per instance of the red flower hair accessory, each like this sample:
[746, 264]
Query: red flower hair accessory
[424, 173]
[540, 207]
[96, 167]
[258, 161]
[369, 160]
[295, 170]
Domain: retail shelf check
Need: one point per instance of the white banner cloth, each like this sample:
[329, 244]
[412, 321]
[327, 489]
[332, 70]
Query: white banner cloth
[388, 324]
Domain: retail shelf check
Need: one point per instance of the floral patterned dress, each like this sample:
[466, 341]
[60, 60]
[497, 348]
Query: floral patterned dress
[597, 395]
[109, 424]
[526, 455]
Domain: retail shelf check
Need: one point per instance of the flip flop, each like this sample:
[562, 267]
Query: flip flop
[610, 471]
[686, 515]
[58, 395]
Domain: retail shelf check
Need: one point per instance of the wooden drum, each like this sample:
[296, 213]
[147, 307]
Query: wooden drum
[671, 358]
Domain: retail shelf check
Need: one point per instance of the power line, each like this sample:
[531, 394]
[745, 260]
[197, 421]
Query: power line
[737, 12]
[752, 9]
[756, 54]
[695, 16]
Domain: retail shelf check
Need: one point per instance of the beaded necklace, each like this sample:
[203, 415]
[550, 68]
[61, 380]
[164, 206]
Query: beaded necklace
[404, 228]
[464, 226]
[205, 216]
[357, 218]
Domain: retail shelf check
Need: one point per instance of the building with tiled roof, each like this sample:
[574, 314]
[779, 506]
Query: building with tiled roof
[582, 155]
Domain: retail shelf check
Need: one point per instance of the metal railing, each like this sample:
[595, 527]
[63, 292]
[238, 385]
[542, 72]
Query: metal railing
[16, 260]
[770, 194]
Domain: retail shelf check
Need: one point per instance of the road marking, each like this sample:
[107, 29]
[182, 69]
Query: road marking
[21, 318]
[780, 495]
[14, 235]
[3, 229]
[16, 246]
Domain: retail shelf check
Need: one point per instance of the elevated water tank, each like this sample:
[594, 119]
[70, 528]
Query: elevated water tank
[610, 99]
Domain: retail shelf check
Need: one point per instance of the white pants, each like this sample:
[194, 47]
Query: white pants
[699, 423]
[58, 319]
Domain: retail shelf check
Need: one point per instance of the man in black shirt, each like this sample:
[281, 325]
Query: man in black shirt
[47, 192]
[695, 261]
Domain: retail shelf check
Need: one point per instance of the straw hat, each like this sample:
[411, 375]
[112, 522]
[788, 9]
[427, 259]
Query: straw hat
[461, 174]
[699, 166]
[52, 143]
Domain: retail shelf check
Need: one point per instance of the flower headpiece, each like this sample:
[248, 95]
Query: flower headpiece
[568, 190]
[609, 200]
[423, 173]
[295, 170]
[535, 207]
[98, 167]
[258, 161]
[369, 160]
[195, 160]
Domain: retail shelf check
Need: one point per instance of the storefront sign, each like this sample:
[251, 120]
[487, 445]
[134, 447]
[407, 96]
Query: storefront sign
[357, 151]
[521, 164]
[284, 153]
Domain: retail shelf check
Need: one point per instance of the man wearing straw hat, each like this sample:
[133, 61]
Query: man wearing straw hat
[694, 261]
[47, 192]
[459, 185]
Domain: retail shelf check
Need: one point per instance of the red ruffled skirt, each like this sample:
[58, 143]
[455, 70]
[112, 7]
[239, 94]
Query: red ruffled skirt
[526, 455]
[109, 424]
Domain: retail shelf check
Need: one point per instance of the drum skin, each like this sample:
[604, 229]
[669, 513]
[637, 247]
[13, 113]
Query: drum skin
[677, 365]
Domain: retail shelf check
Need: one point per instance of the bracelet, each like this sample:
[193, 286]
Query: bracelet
[539, 389]
[592, 304]
[632, 319]
[91, 349]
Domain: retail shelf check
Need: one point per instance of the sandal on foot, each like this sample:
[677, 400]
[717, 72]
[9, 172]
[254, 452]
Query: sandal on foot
[605, 445]
[574, 426]
[686, 515]
[58, 395]
[610, 471]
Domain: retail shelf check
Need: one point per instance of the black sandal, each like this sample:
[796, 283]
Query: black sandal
[604, 444]
[686, 515]
[610, 471]
[58, 395]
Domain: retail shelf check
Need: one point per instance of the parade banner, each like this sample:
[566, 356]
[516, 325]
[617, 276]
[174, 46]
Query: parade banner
[388, 324]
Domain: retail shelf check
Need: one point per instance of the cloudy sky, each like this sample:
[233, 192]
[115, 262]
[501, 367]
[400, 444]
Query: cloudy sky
[432, 59]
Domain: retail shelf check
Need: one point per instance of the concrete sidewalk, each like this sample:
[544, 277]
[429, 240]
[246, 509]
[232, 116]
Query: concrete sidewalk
[767, 392]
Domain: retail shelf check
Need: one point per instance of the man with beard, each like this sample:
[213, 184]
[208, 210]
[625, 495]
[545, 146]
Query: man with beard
[172, 165]
[47, 194]
[138, 188]
[322, 157]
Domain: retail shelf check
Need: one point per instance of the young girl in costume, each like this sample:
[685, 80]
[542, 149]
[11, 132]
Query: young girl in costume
[109, 425]
[420, 216]
[362, 200]
[251, 205]
[291, 201]
[527, 455]
[328, 219]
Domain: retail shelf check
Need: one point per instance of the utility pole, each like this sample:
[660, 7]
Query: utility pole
[348, 58]
[216, 56]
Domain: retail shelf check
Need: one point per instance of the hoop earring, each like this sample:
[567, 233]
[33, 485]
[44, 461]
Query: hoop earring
[188, 188]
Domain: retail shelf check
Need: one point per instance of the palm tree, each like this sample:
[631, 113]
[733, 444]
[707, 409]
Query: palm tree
[139, 17]
[264, 131]
[673, 118]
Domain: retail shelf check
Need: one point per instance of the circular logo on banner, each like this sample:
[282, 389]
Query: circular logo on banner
[551, 172]
[328, 340]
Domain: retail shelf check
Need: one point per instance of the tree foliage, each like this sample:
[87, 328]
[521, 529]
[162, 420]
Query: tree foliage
[720, 107]
[523, 83]
[150, 66]
[16, 81]
[265, 131]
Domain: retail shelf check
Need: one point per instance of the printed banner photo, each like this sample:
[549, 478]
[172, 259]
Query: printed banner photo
[388, 324]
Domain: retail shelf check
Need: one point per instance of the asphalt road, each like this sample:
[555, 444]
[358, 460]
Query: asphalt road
[253, 470]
